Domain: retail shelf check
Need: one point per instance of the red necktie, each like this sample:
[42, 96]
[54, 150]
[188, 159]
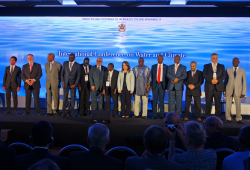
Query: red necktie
[30, 67]
[159, 74]
[193, 73]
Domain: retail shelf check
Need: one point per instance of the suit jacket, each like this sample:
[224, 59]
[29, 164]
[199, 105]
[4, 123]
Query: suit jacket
[237, 85]
[181, 74]
[219, 140]
[83, 83]
[23, 162]
[94, 159]
[36, 73]
[53, 79]
[130, 81]
[114, 79]
[13, 80]
[154, 76]
[70, 77]
[6, 156]
[95, 79]
[197, 81]
[208, 76]
[153, 161]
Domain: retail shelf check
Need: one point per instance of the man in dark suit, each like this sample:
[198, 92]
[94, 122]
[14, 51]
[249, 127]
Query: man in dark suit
[95, 158]
[193, 84]
[84, 87]
[215, 138]
[12, 83]
[31, 74]
[96, 76]
[70, 76]
[176, 75]
[110, 88]
[155, 142]
[214, 74]
[41, 137]
[159, 85]
[7, 154]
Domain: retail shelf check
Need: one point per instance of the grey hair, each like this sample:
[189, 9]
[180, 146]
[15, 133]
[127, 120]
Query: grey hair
[196, 133]
[98, 135]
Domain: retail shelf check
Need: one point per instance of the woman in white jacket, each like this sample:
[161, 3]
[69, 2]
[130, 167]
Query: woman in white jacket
[126, 85]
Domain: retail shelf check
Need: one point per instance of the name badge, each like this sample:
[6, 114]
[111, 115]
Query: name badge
[107, 83]
[86, 77]
[214, 75]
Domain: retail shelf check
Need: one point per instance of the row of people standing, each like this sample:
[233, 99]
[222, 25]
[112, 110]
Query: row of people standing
[106, 81]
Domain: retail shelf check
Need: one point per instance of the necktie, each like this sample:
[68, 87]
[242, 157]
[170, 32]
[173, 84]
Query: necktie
[51, 65]
[214, 67]
[193, 74]
[70, 66]
[159, 74]
[30, 67]
[176, 67]
[11, 70]
[235, 72]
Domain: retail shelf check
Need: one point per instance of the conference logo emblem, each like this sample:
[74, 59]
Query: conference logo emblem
[122, 28]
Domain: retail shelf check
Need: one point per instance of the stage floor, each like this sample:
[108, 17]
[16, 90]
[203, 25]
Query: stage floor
[73, 130]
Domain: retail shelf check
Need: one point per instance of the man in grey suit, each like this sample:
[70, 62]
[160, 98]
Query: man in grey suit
[53, 71]
[176, 75]
[70, 76]
[235, 87]
[12, 83]
[96, 75]
[155, 142]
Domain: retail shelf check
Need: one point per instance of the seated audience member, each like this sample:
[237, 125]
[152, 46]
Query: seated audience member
[6, 155]
[155, 142]
[41, 137]
[235, 161]
[195, 158]
[173, 118]
[45, 164]
[215, 138]
[95, 159]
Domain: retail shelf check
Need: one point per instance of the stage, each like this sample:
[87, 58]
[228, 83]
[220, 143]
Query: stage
[73, 130]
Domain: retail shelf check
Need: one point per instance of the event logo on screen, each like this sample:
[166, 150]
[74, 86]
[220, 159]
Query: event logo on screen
[122, 28]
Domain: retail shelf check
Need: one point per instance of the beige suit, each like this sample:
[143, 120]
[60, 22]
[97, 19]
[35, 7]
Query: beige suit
[52, 84]
[234, 88]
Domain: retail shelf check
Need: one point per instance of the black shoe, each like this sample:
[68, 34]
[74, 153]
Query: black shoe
[227, 121]
[7, 113]
[38, 114]
[161, 117]
[80, 115]
[26, 114]
[144, 117]
[135, 116]
[240, 122]
[115, 116]
[55, 114]
[63, 115]
[154, 117]
[48, 114]
[14, 113]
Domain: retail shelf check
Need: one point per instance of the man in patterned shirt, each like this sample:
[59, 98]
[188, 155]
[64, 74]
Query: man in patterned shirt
[142, 84]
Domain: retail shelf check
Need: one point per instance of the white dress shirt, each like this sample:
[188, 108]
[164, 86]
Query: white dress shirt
[86, 69]
[161, 71]
[11, 67]
[72, 65]
[214, 66]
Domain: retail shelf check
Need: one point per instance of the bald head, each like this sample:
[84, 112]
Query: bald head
[172, 118]
[213, 124]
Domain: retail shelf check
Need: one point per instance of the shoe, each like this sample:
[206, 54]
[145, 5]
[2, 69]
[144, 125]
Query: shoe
[14, 113]
[38, 114]
[63, 115]
[185, 119]
[135, 116]
[127, 117]
[55, 114]
[7, 113]
[199, 120]
[48, 114]
[26, 114]
[154, 117]
[144, 117]
[80, 115]
[115, 116]
[240, 122]
[161, 117]
[227, 121]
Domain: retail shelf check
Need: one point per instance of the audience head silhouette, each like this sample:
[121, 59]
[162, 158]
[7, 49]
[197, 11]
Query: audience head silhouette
[41, 134]
[213, 124]
[172, 118]
[44, 164]
[195, 136]
[155, 139]
[98, 135]
[244, 137]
